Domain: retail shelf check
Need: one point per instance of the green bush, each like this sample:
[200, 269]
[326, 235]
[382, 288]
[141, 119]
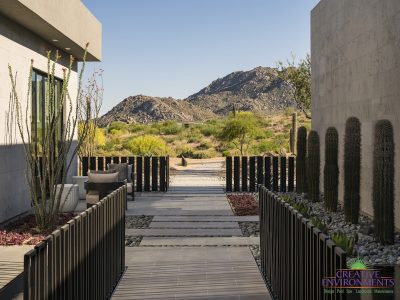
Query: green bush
[133, 128]
[170, 127]
[117, 125]
[147, 145]
[204, 146]
[210, 128]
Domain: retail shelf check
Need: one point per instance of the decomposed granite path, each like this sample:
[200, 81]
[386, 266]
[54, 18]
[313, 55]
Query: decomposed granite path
[193, 248]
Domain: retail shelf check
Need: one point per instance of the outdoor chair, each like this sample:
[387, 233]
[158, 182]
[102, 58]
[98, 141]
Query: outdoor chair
[100, 184]
[124, 174]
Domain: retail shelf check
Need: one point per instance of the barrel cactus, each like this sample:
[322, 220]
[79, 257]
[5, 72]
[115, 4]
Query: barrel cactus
[383, 186]
[352, 160]
[331, 169]
[313, 166]
[301, 183]
[293, 134]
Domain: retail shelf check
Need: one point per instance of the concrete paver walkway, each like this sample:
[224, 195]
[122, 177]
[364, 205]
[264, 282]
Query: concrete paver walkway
[174, 261]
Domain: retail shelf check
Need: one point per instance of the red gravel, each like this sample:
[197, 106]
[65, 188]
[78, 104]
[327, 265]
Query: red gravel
[26, 232]
[243, 204]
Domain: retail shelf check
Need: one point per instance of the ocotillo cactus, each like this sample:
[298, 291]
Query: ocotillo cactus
[352, 159]
[293, 134]
[313, 166]
[331, 169]
[383, 186]
[301, 177]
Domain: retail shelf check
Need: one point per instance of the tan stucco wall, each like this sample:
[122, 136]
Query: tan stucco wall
[17, 47]
[356, 72]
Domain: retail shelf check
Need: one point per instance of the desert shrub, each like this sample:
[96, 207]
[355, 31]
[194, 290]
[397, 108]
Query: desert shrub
[169, 127]
[211, 128]
[117, 125]
[226, 153]
[204, 145]
[195, 138]
[133, 128]
[147, 145]
[116, 132]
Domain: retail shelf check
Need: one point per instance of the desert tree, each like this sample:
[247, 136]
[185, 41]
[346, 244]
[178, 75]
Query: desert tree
[50, 157]
[298, 75]
[239, 129]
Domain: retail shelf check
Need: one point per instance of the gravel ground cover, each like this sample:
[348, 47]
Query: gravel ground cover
[250, 228]
[372, 252]
[133, 222]
[133, 241]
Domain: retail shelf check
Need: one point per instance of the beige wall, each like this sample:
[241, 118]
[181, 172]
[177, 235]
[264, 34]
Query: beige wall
[356, 72]
[17, 47]
[66, 24]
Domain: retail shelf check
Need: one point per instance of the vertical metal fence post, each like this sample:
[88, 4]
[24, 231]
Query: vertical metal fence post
[154, 173]
[228, 173]
[139, 174]
[252, 174]
[275, 173]
[244, 174]
[260, 170]
[236, 174]
[283, 174]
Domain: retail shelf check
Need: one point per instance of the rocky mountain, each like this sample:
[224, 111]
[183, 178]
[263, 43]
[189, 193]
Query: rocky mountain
[259, 90]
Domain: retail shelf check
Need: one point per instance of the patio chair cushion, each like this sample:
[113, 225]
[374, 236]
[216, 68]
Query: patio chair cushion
[129, 187]
[102, 178]
[92, 197]
[122, 170]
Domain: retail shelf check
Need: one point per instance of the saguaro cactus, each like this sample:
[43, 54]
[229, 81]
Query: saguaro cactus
[331, 169]
[313, 166]
[352, 159]
[293, 134]
[383, 186]
[301, 183]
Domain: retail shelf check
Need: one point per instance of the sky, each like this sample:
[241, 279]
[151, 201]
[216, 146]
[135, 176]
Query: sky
[177, 47]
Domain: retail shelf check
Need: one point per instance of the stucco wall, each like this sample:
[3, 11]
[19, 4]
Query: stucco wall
[356, 72]
[17, 47]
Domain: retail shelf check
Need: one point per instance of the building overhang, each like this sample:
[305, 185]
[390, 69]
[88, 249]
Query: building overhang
[66, 24]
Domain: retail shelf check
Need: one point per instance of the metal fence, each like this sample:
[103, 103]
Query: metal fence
[82, 260]
[150, 173]
[276, 173]
[295, 255]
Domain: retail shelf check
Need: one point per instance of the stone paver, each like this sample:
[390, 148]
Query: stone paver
[191, 273]
[206, 219]
[194, 225]
[200, 241]
[184, 232]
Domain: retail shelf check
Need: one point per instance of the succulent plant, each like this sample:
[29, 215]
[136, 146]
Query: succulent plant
[301, 177]
[331, 169]
[341, 240]
[313, 166]
[352, 160]
[383, 185]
